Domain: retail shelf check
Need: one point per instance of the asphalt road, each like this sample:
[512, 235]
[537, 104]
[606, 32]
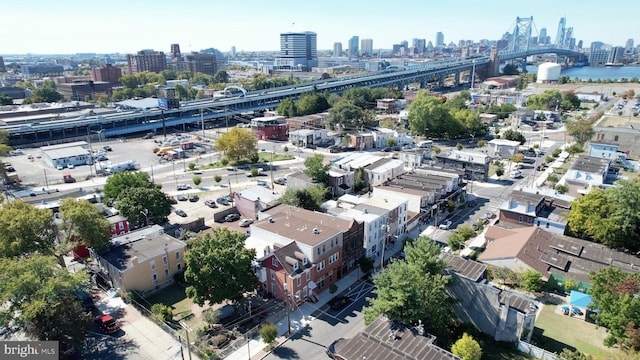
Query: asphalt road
[311, 342]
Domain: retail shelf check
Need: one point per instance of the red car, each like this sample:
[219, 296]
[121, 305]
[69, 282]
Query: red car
[107, 323]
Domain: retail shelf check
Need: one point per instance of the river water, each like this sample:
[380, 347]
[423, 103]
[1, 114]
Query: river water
[600, 72]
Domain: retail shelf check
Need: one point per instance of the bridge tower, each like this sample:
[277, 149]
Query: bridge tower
[494, 65]
[522, 34]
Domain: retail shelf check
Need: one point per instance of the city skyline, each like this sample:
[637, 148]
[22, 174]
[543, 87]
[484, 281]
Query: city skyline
[70, 26]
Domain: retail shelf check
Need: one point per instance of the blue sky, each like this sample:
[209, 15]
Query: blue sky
[72, 26]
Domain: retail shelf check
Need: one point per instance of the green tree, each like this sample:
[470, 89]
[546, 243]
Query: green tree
[510, 69]
[567, 354]
[581, 130]
[25, 229]
[162, 311]
[531, 280]
[518, 158]
[548, 100]
[82, 220]
[455, 242]
[359, 182]
[217, 179]
[467, 348]
[429, 116]
[5, 100]
[514, 136]
[197, 180]
[46, 94]
[39, 298]
[315, 168]
[211, 316]
[608, 216]
[119, 182]
[219, 267]
[134, 203]
[312, 104]
[614, 293]
[287, 108]
[268, 333]
[500, 169]
[129, 81]
[237, 144]
[221, 76]
[403, 289]
[459, 146]
[346, 116]
[310, 197]
[168, 75]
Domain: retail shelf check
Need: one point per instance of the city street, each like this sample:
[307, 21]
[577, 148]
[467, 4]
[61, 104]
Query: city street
[311, 342]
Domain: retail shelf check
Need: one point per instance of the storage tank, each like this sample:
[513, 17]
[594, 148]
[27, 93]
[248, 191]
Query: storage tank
[548, 72]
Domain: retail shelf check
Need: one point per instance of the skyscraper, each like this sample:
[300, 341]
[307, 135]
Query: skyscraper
[366, 47]
[2, 68]
[337, 49]
[299, 49]
[175, 52]
[560, 40]
[628, 47]
[542, 39]
[353, 46]
[419, 46]
[439, 39]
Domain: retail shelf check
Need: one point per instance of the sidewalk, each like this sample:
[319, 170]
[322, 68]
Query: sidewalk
[300, 317]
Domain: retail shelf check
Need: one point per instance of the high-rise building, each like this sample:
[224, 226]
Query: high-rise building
[419, 46]
[628, 47]
[233, 51]
[146, 60]
[615, 55]
[298, 50]
[439, 39]
[2, 68]
[337, 49]
[366, 47]
[560, 35]
[542, 38]
[107, 73]
[353, 46]
[175, 52]
[201, 63]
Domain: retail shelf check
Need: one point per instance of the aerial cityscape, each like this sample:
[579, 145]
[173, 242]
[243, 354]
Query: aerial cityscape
[342, 181]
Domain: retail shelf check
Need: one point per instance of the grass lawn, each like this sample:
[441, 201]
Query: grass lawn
[173, 296]
[616, 121]
[493, 350]
[555, 332]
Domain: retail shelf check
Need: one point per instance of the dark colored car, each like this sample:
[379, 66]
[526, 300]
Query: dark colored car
[194, 198]
[339, 302]
[280, 181]
[232, 217]
[107, 148]
[181, 213]
[107, 323]
[222, 201]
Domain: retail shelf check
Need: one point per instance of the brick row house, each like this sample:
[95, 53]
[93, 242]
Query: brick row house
[302, 252]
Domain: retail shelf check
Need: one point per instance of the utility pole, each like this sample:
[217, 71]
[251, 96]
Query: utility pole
[286, 306]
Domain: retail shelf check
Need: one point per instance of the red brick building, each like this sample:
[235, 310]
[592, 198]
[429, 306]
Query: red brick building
[107, 73]
[270, 128]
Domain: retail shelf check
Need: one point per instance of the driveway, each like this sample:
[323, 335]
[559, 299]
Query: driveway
[138, 337]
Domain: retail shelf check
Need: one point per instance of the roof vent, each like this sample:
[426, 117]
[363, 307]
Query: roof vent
[271, 220]
[316, 231]
[366, 211]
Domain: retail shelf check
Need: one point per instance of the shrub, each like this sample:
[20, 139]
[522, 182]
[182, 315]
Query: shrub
[191, 166]
[224, 161]
[162, 311]
[219, 340]
[333, 288]
[268, 333]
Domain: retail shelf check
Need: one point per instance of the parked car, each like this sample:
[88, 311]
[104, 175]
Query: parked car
[245, 222]
[183, 187]
[181, 213]
[59, 167]
[232, 217]
[10, 169]
[193, 198]
[71, 166]
[107, 323]
[222, 201]
[181, 197]
[339, 302]
[107, 148]
[445, 225]
[280, 181]
[211, 203]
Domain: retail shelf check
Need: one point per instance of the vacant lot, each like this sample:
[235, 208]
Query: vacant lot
[554, 332]
[618, 121]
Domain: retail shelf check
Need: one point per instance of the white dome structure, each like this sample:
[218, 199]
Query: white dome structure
[548, 72]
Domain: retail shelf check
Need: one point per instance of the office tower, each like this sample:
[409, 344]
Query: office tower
[353, 46]
[233, 51]
[628, 47]
[107, 73]
[2, 67]
[175, 52]
[337, 49]
[542, 38]
[439, 39]
[299, 50]
[146, 60]
[560, 40]
[202, 63]
[615, 55]
[366, 47]
[418, 46]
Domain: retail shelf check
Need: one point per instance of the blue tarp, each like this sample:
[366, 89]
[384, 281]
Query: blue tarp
[577, 298]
